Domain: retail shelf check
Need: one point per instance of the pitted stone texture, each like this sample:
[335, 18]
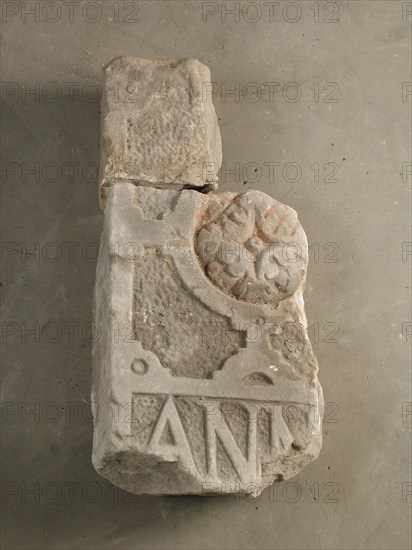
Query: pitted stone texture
[197, 390]
[186, 321]
[159, 127]
[252, 247]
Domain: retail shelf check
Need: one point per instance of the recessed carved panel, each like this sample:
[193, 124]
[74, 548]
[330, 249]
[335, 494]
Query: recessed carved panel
[189, 338]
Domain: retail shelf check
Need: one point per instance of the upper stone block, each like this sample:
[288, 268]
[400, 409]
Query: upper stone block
[159, 126]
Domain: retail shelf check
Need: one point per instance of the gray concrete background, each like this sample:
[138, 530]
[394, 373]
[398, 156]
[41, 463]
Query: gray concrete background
[358, 493]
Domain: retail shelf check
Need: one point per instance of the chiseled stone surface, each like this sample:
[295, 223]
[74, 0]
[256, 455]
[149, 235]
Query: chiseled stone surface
[197, 389]
[204, 379]
[158, 124]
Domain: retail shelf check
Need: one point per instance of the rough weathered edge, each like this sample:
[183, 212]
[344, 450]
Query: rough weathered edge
[202, 184]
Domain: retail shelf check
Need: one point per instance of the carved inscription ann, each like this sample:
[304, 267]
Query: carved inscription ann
[220, 440]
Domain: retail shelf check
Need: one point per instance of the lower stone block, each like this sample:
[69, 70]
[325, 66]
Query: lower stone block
[204, 379]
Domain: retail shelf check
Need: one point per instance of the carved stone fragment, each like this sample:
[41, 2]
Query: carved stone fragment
[204, 379]
[159, 127]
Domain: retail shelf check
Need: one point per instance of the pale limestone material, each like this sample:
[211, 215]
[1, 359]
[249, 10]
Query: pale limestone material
[158, 124]
[204, 379]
